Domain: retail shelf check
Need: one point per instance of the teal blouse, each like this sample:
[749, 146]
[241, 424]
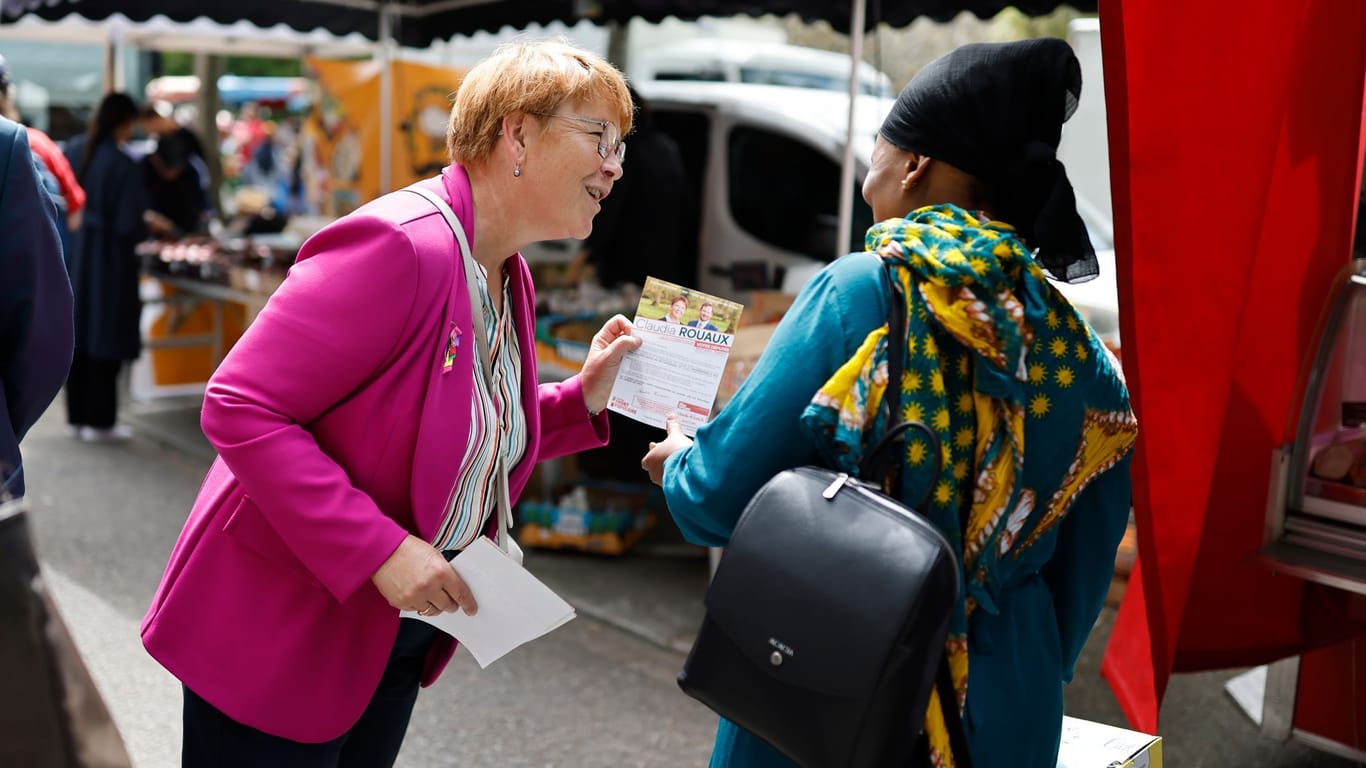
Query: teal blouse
[1020, 653]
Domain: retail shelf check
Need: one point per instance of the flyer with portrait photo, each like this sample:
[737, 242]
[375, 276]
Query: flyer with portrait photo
[686, 336]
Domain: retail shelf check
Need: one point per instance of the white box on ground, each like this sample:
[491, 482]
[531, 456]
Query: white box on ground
[1095, 745]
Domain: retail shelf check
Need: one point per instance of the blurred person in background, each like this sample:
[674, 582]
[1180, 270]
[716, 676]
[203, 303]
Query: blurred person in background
[639, 233]
[51, 713]
[359, 433]
[58, 178]
[35, 302]
[274, 169]
[1030, 409]
[247, 132]
[291, 140]
[264, 165]
[177, 175]
[105, 270]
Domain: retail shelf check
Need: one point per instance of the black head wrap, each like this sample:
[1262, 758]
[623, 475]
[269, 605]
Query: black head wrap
[995, 111]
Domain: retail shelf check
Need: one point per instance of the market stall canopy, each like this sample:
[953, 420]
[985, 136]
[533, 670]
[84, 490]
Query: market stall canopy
[237, 37]
[416, 23]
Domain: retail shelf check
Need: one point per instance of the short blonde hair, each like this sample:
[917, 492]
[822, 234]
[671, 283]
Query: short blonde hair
[535, 76]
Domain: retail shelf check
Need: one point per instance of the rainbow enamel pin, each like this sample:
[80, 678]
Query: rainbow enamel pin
[452, 346]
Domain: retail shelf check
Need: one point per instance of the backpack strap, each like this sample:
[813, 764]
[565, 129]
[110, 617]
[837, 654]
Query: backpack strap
[878, 467]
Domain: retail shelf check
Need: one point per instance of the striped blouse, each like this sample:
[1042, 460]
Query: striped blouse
[497, 423]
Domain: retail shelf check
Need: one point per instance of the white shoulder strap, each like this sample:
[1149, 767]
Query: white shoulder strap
[485, 361]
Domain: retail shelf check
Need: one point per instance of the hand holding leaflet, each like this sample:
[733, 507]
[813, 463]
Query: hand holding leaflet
[514, 606]
[685, 338]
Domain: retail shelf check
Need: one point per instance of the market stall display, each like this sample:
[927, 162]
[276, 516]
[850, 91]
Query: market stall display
[591, 516]
[211, 290]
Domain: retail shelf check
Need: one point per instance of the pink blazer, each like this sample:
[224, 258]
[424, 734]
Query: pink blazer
[339, 430]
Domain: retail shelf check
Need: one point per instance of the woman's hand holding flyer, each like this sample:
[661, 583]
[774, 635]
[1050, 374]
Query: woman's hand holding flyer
[686, 337]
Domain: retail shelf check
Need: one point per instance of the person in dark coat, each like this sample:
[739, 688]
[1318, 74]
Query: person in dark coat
[639, 231]
[35, 302]
[176, 172]
[104, 271]
[51, 713]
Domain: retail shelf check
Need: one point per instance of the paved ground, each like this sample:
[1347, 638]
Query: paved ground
[598, 692]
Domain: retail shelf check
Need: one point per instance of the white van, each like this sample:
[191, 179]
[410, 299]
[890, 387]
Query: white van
[764, 174]
[763, 165]
[757, 63]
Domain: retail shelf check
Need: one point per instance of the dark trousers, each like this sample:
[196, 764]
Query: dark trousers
[92, 391]
[214, 740]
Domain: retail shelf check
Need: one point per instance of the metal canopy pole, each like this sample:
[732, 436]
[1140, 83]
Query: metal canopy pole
[386, 96]
[115, 78]
[843, 234]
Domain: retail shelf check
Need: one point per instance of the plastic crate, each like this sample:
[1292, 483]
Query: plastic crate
[593, 516]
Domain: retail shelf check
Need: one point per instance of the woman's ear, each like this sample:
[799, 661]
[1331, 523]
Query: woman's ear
[916, 168]
[514, 133]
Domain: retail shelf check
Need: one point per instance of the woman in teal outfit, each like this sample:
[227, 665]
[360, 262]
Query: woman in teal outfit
[1030, 409]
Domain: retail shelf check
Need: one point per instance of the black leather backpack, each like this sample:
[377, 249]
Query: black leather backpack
[827, 615]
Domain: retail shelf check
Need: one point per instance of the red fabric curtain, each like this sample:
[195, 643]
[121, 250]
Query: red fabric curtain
[1235, 146]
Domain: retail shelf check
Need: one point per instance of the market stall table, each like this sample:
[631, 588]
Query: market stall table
[212, 290]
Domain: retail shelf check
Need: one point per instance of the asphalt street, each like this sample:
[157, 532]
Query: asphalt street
[599, 691]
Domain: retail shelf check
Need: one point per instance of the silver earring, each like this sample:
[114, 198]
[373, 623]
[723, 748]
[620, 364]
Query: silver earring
[517, 170]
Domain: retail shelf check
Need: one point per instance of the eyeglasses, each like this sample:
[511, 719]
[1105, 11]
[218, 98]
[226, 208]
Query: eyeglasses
[608, 139]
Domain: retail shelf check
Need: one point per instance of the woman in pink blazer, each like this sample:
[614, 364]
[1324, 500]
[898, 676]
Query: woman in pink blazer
[356, 435]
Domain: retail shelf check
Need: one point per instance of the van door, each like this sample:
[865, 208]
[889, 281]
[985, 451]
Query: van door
[780, 207]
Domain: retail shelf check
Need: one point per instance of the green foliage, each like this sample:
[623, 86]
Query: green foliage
[1012, 24]
[177, 63]
[259, 66]
[182, 63]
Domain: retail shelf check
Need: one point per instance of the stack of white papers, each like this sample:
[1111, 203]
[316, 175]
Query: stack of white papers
[514, 606]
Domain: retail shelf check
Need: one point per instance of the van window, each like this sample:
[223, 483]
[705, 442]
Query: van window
[785, 193]
[796, 79]
[704, 75]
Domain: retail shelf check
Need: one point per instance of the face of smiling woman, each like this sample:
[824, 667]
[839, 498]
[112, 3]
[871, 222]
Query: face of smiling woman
[572, 177]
